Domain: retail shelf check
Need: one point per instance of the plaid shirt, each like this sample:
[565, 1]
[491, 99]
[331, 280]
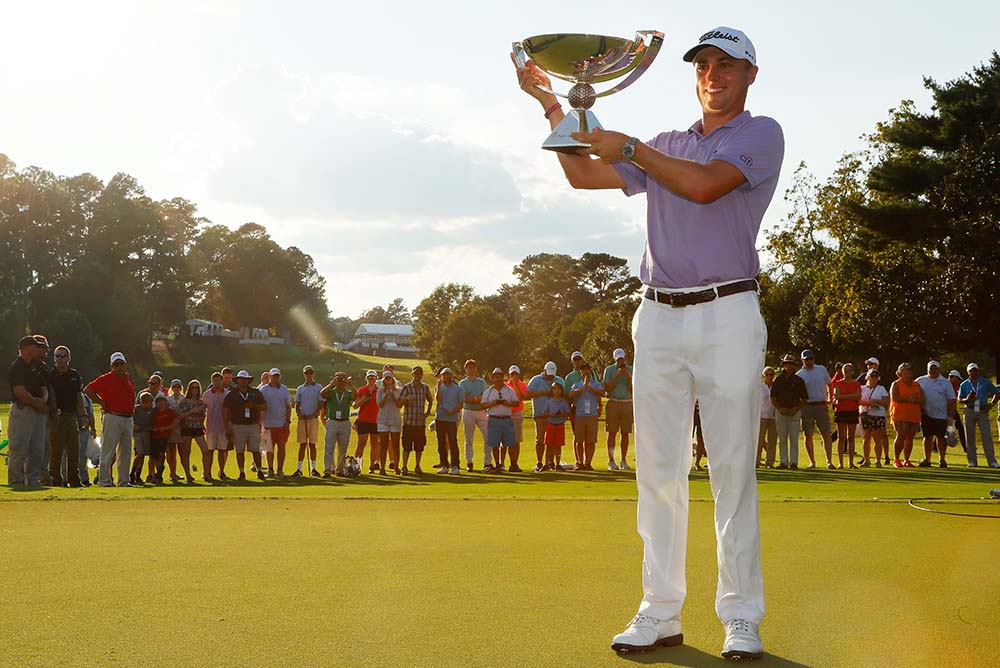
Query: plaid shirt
[414, 413]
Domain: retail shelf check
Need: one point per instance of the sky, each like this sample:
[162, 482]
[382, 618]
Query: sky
[389, 139]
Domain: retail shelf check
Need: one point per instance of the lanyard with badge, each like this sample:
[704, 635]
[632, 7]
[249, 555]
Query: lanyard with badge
[246, 409]
[339, 400]
[975, 391]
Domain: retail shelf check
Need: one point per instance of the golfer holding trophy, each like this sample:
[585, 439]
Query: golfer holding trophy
[698, 332]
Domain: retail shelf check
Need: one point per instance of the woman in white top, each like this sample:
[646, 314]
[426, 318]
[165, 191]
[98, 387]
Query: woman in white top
[768, 428]
[390, 422]
[874, 400]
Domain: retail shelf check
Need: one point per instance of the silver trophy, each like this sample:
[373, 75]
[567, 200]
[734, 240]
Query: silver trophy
[586, 60]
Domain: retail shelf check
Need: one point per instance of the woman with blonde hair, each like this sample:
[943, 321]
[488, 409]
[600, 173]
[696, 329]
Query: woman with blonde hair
[192, 411]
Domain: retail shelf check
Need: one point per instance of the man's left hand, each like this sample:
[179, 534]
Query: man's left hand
[605, 145]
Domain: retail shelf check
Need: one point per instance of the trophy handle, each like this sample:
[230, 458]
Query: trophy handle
[651, 49]
[521, 58]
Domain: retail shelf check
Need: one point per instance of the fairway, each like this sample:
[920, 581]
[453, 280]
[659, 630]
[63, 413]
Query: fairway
[483, 583]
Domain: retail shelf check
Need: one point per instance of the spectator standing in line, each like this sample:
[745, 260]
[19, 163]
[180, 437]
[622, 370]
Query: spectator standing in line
[191, 412]
[448, 395]
[586, 396]
[768, 440]
[473, 414]
[367, 423]
[337, 398]
[114, 392]
[978, 395]
[66, 386]
[85, 434]
[277, 420]
[241, 411]
[163, 424]
[498, 401]
[870, 363]
[873, 405]
[846, 394]
[307, 408]
[557, 411]
[788, 395]
[227, 378]
[174, 399]
[142, 427]
[215, 428]
[617, 381]
[699, 439]
[517, 417]
[955, 378]
[540, 391]
[938, 407]
[417, 404]
[26, 425]
[572, 378]
[816, 412]
[155, 387]
[390, 424]
[907, 399]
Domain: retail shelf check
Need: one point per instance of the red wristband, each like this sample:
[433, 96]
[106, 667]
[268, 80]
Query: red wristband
[548, 112]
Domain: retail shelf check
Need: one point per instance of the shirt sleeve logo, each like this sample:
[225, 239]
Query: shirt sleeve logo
[747, 160]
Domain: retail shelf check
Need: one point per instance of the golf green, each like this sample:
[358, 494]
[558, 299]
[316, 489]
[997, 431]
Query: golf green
[521, 583]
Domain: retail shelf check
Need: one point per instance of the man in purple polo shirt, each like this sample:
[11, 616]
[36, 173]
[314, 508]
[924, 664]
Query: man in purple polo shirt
[698, 331]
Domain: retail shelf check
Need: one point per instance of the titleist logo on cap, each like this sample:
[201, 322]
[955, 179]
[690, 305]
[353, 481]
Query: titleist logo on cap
[716, 34]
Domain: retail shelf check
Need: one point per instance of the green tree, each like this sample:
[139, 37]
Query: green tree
[432, 314]
[475, 331]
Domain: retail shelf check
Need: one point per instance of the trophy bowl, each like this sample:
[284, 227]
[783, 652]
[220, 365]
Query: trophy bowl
[585, 59]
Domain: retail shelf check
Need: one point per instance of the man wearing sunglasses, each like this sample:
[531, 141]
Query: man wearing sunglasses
[28, 412]
[71, 417]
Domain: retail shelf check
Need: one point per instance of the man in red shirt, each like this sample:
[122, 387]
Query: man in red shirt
[114, 392]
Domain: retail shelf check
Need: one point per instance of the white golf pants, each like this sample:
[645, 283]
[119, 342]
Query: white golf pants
[715, 352]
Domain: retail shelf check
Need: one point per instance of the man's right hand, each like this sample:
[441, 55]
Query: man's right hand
[529, 78]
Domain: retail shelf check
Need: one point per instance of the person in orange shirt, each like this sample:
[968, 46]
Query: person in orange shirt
[907, 398]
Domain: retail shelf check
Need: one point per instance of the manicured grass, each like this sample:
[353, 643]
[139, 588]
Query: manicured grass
[376, 583]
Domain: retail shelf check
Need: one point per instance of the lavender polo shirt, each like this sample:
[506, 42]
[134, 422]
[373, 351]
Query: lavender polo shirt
[690, 244]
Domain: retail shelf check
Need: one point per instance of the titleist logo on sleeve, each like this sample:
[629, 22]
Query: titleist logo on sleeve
[715, 34]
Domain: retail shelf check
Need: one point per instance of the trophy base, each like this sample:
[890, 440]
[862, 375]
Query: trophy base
[577, 120]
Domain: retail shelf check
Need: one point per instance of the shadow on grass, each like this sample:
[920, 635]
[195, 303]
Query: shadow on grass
[691, 657]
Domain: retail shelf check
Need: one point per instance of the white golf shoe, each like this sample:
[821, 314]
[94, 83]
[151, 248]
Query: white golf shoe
[742, 641]
[644, 633]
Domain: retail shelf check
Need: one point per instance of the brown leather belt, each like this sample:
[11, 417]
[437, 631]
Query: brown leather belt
[680, 299]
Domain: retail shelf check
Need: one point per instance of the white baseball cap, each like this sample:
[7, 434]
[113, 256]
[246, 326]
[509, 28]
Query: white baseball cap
[576, 353]
[371, 373]
[934, 363]
[972, 365]
[550, 368]
[275, 371]
[871, 360]
[732, 41]
[177, 382]
[387, 374]
[244, 374]
[514, 369]
[955, 373]
[619, 354]
[117, 357]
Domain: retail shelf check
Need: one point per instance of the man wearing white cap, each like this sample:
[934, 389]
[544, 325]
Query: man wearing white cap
[572, 378]
[540, 392]
[698, 332]
[939, 404]
[978, 395]
[520, 389]
[114, 392]
[617, 381]
[277, 418]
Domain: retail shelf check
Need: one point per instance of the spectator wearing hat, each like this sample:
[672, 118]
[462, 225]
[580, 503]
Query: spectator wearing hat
[768, 440]
[449, 397]
[390, 424]
[873, 404]
[337, 398]
[26, 425]
[473, 414]
[242, 408]
[498, 401]
[870, 363]
[67, 391]
[154, 386]
[114, 392]
[586, 397]
[846, 394]
[517, 417]
[617, 381]
[955, 378]
[417, 405]
[788, 395]
[938, 407]
[906, 400]
[978, 395]
[572, 378]
[307, 409]
[276, 421]
[540, 392]
[367, 423]
[816, 411]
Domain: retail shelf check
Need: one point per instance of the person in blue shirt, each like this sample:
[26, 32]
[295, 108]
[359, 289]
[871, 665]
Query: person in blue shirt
[557, 411]
[540, 392]
[448, 396]
[586, 397]
[978, 395]
[473, 414]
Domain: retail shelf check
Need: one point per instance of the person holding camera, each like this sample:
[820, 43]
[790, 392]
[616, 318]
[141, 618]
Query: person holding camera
[619, 416]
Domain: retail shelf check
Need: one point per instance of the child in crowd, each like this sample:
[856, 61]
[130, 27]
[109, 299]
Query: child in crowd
[163, 423]
[555, 428]
[142, 423]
